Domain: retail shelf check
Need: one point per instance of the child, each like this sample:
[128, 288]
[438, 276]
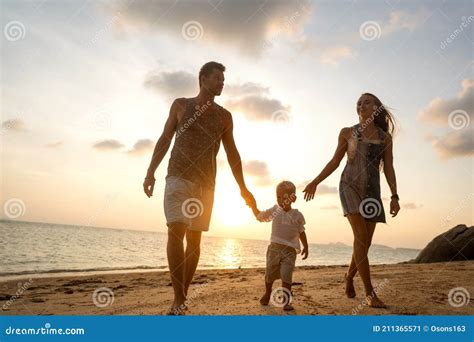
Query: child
[287, 231]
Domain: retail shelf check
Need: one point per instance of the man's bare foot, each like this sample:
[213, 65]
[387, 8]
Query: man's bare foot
[350, 290]
[175, 311]
[178, 307]
[375, 302]
[265, 299]
[288, 307]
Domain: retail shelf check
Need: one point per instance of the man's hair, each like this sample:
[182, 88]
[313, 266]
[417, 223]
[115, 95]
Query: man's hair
[207, 69]
[285, 187]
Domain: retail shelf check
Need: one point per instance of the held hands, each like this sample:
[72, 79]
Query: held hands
[248, 197]
[305, 253]
[148, 185]
[310, 190]
[394, 207]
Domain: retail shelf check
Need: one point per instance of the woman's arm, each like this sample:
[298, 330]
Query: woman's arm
[330, 167]
[390, 175]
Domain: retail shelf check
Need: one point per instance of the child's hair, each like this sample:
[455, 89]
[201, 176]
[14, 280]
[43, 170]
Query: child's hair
[285, 187]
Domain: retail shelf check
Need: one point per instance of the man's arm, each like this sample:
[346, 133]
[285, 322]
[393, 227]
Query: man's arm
[162, 146]
[233, 157]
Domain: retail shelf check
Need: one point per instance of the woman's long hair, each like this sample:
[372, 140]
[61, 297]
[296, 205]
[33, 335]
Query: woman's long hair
[383, 117]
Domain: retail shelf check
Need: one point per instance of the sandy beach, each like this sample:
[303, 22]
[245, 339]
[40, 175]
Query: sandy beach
[408, 289]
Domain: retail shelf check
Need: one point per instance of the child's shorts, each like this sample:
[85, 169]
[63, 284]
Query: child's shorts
[280, 263]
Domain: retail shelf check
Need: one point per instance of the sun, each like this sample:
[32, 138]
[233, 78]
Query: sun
[230, 209]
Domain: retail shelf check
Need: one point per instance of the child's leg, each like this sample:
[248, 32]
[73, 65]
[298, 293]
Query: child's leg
[287, 306]
[272, 271]
[287, 268]
[268, 292]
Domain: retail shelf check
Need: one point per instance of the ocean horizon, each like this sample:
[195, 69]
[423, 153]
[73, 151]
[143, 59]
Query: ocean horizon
[35, 248]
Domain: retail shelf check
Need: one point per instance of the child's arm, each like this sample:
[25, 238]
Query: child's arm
[266, 215]
[304, 241]
[255, 210]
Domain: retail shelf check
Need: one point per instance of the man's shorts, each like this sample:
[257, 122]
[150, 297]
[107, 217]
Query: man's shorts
[280, 263]
[188, 203]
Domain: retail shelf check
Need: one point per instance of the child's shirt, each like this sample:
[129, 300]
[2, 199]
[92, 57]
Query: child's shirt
[286, 225]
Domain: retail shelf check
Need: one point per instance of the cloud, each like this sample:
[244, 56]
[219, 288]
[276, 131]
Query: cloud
[247, 88]
[258, 170]
[400, 20]
[455, 144]
[439, 109]
[330, 207]
[325, 189]
[108, 145]
[247, 97]
[16, 125]
[411, 206]
[322, 189]
[256, 107]
[55, 144]
[333, 55]
[172, 84]
[141, 147]
[457, 115]
[243, 25]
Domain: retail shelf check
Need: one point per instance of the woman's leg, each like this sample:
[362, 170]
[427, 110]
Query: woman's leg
[352, 267]
[361, 247]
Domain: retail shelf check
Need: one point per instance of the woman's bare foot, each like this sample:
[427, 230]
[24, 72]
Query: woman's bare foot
[265, 299]
[375, 302]
[350, 290]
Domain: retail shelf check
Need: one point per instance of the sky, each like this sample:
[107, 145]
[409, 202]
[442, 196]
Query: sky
[87, 87]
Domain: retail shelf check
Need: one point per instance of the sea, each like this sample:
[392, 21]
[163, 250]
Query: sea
[34, 248]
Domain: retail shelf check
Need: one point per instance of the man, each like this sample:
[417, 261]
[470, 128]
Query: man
[200, 125]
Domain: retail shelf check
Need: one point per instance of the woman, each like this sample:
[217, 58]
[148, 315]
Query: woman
[369, 149]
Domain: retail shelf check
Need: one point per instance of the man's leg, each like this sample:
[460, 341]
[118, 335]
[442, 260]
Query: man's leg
[175, 251]
[193, 250]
